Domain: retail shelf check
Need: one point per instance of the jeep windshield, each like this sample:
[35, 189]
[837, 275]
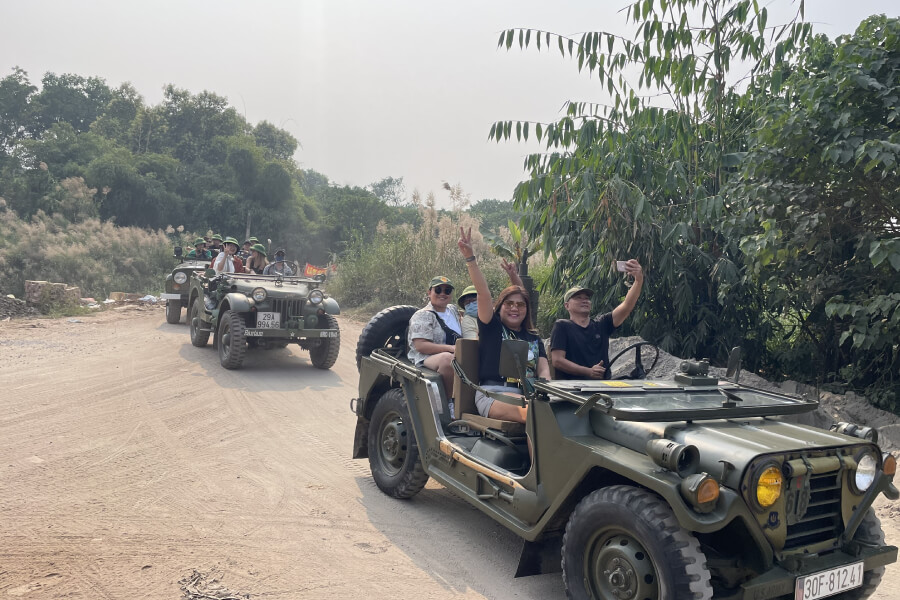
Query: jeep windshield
[642, 400]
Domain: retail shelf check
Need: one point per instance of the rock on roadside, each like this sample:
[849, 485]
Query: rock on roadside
[15, 308]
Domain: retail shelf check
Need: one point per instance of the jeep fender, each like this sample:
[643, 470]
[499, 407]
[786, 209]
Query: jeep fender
[331, 306]
[237, 302]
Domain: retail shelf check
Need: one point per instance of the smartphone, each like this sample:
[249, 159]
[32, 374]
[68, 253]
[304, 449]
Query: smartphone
[620, 266]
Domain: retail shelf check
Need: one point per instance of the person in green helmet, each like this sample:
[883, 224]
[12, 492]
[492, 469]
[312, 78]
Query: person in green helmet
[215, 245]
[228, 261]
[199, 252]
[257, 262]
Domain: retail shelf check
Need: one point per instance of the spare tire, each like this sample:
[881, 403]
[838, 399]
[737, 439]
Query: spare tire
[387, 331]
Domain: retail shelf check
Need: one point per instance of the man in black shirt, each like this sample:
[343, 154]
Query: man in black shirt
[579, 345]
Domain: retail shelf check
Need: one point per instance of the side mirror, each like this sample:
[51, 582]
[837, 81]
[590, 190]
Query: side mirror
[177, 251]
[210, 273]
[513, 359]
[734, 364]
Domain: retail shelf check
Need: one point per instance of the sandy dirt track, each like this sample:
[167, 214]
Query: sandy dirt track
[130, 459]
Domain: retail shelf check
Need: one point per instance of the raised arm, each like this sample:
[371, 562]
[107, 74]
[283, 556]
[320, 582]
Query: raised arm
[513, 271]
[485, 302]
[621, 312]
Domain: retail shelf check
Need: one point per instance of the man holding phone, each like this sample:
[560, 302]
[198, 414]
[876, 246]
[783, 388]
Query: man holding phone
[579, 345]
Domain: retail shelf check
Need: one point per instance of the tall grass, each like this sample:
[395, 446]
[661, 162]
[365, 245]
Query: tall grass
[97, 256]
[396, 267]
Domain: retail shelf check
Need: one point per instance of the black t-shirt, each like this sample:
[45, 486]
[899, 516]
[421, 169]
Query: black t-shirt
[585, 346]
[489, 337]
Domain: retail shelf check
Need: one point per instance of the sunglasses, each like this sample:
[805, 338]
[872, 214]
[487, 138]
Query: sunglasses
[514, 304]
[443, 290]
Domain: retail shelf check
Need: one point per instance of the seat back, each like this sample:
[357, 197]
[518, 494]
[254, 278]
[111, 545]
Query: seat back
[464, 396]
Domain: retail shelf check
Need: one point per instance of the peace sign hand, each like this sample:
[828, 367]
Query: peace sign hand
[465, 242]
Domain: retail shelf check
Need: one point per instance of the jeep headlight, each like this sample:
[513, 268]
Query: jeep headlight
[258, 294]
[768, 486]
[316, 296]
[866, 466]
[180, 277]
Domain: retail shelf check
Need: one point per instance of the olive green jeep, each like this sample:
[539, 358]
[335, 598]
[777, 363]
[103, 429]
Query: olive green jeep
[178, 284]
[663, 489]
[263, 311]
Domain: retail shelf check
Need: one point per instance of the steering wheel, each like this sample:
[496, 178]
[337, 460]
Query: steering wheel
[638, 372]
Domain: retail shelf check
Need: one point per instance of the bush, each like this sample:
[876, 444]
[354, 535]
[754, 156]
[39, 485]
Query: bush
[97, 256]
[397, 265]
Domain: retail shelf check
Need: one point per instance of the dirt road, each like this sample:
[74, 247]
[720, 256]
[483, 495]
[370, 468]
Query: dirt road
[131, 461]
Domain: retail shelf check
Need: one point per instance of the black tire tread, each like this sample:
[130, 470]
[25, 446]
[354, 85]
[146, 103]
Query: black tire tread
[198, 338]
[325, 354]
[683, 550]
[173, 311]
[413, 477]
[869, 531]
[237, 351]
[386, 324]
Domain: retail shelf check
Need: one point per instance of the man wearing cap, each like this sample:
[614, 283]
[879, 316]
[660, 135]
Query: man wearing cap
[215, 246]
[279, 267]
[199, 252]
[579, 345]
[433, 331]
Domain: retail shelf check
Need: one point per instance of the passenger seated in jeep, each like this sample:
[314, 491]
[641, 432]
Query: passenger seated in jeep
[509, 318]
[279, 267]
[227, 261]
[199, 252]
[256, 263]
[433, 331]
[469, 306]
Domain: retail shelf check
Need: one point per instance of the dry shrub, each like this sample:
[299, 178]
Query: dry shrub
[94, 255]
[397, 266]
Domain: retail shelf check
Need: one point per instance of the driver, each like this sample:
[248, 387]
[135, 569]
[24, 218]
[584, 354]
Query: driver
[579, 345]
[279, 267]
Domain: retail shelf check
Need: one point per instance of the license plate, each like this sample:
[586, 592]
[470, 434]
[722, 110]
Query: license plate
[328, 334]
[268, 320]
[830, 582]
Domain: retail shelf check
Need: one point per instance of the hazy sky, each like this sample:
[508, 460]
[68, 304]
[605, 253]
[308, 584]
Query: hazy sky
[370, 88]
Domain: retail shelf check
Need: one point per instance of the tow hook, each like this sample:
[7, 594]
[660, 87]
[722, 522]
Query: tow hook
[353, 404]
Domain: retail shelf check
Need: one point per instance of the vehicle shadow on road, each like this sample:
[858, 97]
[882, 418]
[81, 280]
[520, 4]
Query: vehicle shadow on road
[460, 547]
[279, 370]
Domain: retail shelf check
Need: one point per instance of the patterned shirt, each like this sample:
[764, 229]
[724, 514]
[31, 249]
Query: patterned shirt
[424, 325]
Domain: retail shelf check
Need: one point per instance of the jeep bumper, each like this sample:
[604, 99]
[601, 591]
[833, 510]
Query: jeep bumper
[778, 581]
[291, 333]
[170, 296]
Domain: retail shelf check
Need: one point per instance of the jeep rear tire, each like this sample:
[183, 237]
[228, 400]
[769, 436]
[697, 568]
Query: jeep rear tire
[386, 330]
[393, 450]
[173, 311]
[324, 354]
[624, 542]
[232, 345]
[199, 337]
[869, 532]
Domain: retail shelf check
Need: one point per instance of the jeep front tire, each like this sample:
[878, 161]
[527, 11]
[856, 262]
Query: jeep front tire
[198, 327]
[393, 451]
[232, 345]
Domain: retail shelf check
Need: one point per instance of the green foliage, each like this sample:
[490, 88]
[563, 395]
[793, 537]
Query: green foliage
[632, 179]
[815, 207]
[493, 214]
[96, 256]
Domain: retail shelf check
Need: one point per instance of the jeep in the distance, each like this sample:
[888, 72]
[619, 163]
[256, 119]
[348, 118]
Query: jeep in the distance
[263, 311]
[178, 284]
[635, 489]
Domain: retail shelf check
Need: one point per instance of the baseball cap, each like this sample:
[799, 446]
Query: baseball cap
[575, 290]
[440, 279]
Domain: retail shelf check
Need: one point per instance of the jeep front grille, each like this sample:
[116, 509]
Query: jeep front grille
[287, 308]
[821, 521]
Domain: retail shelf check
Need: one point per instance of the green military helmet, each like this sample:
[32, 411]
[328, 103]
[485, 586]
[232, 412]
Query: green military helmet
[259, 248]
[469, 291]
[199, 241]
[231, 240]
[253, 239]
[216, 236]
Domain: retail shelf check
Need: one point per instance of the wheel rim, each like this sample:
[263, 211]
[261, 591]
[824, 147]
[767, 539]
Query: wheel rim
[225, 346]
[392, 443]
[617, 566]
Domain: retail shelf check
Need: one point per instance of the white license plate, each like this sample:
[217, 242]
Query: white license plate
[268, 320]
[830, 582]
[328, 334]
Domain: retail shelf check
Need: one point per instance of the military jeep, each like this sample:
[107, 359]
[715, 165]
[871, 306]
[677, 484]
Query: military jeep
[178, 285]
[263, 311]
[634, 489]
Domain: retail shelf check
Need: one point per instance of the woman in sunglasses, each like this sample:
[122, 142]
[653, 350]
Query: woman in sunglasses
[509, 318]
[433, 331]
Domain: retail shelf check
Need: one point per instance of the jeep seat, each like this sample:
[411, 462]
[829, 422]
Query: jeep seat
[464, 396]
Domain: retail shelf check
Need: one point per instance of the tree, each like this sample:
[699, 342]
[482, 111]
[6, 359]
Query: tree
[493, 214]
[71, 99]
[816, 208]
[278, 143]
[632, 178]
[391, 190]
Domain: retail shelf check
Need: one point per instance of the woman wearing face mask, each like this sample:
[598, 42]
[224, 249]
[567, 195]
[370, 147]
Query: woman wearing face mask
[509, 318]
[467, 302]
